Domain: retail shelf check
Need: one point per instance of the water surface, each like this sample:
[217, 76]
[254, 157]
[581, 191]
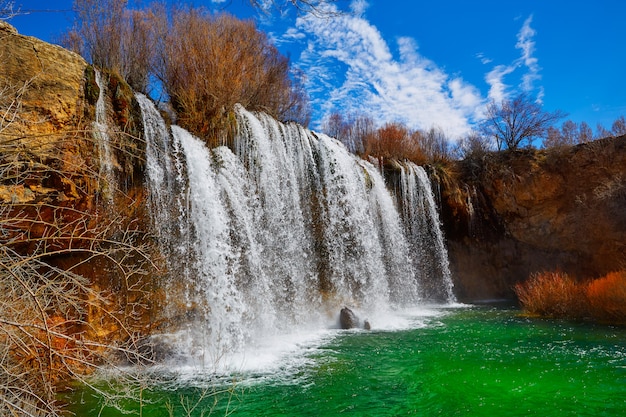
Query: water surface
[477, 361]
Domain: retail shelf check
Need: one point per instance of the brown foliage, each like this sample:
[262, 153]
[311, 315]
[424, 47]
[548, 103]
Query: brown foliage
[552, 294]
[211, 62]
[607, 298]
[392, 141]
[205, 63]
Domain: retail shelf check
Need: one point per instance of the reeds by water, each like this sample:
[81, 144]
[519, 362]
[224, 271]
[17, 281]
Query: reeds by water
[555, 294]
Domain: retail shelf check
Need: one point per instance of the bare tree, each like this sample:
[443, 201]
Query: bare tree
[362, 130]
[553, 139]
[517, 121]
[472, 145]
[569, 131]
[618, 128]
[8, 10]
[100, 25]
[435, 144]
[335, 126]
[602, 132]
[111, 36]
[585, 134]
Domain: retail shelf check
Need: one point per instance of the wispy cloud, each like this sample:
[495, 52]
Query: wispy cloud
[526, 43]
[495, 79]
[499, 90]
[351, 68]
[358, 7]
[483, 58]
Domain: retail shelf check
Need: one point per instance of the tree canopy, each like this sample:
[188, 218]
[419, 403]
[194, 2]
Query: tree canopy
[204, 63]
[513, 122]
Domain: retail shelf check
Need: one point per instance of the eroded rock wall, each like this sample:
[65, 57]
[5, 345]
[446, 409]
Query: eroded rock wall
[55, 203]
[515, 213]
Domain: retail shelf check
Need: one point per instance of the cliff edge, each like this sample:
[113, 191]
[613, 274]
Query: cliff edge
[515, 213]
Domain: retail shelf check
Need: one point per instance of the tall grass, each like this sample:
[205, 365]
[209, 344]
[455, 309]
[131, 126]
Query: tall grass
[552, 294]
[556, 295]
[607, 298]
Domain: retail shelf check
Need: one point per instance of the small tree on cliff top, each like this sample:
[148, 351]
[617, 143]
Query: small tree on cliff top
[205, 63]
[208, 63]
[513, 122]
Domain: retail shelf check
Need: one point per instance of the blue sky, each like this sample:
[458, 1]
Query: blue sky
[436, 63]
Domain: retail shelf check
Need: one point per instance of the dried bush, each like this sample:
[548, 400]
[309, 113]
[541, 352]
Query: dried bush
[607, 298]
[552, 294]
[204, 63]
[56, 324]
[115, 38]
[395, 141]
[208, 63]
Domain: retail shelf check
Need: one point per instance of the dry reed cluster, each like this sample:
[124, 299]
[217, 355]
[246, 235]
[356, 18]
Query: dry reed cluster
[555, 294]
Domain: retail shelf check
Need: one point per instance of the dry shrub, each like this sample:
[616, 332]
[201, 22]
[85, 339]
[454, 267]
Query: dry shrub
[208, 63]
[203, 63]
[395, 141]
[607, 298]
[115, 38]
[552, 294]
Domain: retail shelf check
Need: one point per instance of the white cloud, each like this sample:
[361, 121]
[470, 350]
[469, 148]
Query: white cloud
[358, 7]
[498, 90]
[483, 58]
[351, 68]
[526, 43]
[495, 79]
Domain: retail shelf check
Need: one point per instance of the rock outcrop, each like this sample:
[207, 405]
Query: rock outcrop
[47, 82]
[519, 212]
[49, 156]
[54, 200]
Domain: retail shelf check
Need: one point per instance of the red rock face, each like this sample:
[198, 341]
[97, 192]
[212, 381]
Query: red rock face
[536, 211]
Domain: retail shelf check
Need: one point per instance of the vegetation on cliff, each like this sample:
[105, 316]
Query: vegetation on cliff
[73, 257]
[203, 64]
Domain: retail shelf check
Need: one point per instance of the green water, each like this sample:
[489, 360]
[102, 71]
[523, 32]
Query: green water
[478, 361]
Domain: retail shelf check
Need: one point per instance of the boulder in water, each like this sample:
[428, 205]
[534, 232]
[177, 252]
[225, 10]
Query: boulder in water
[347, 319]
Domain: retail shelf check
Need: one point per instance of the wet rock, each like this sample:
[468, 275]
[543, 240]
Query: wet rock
[347, 319]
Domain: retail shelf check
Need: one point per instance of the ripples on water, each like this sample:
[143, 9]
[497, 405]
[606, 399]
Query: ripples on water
[478, 361]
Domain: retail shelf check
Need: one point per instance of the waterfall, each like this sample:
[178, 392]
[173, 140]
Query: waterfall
[282, 229]
[103, 140]
[423, 229]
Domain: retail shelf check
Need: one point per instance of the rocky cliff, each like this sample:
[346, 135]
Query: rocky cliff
[514, 213]
[57, 209]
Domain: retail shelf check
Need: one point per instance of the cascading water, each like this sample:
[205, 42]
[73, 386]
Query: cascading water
[281, 232]
[423, 230]
[100, 129]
